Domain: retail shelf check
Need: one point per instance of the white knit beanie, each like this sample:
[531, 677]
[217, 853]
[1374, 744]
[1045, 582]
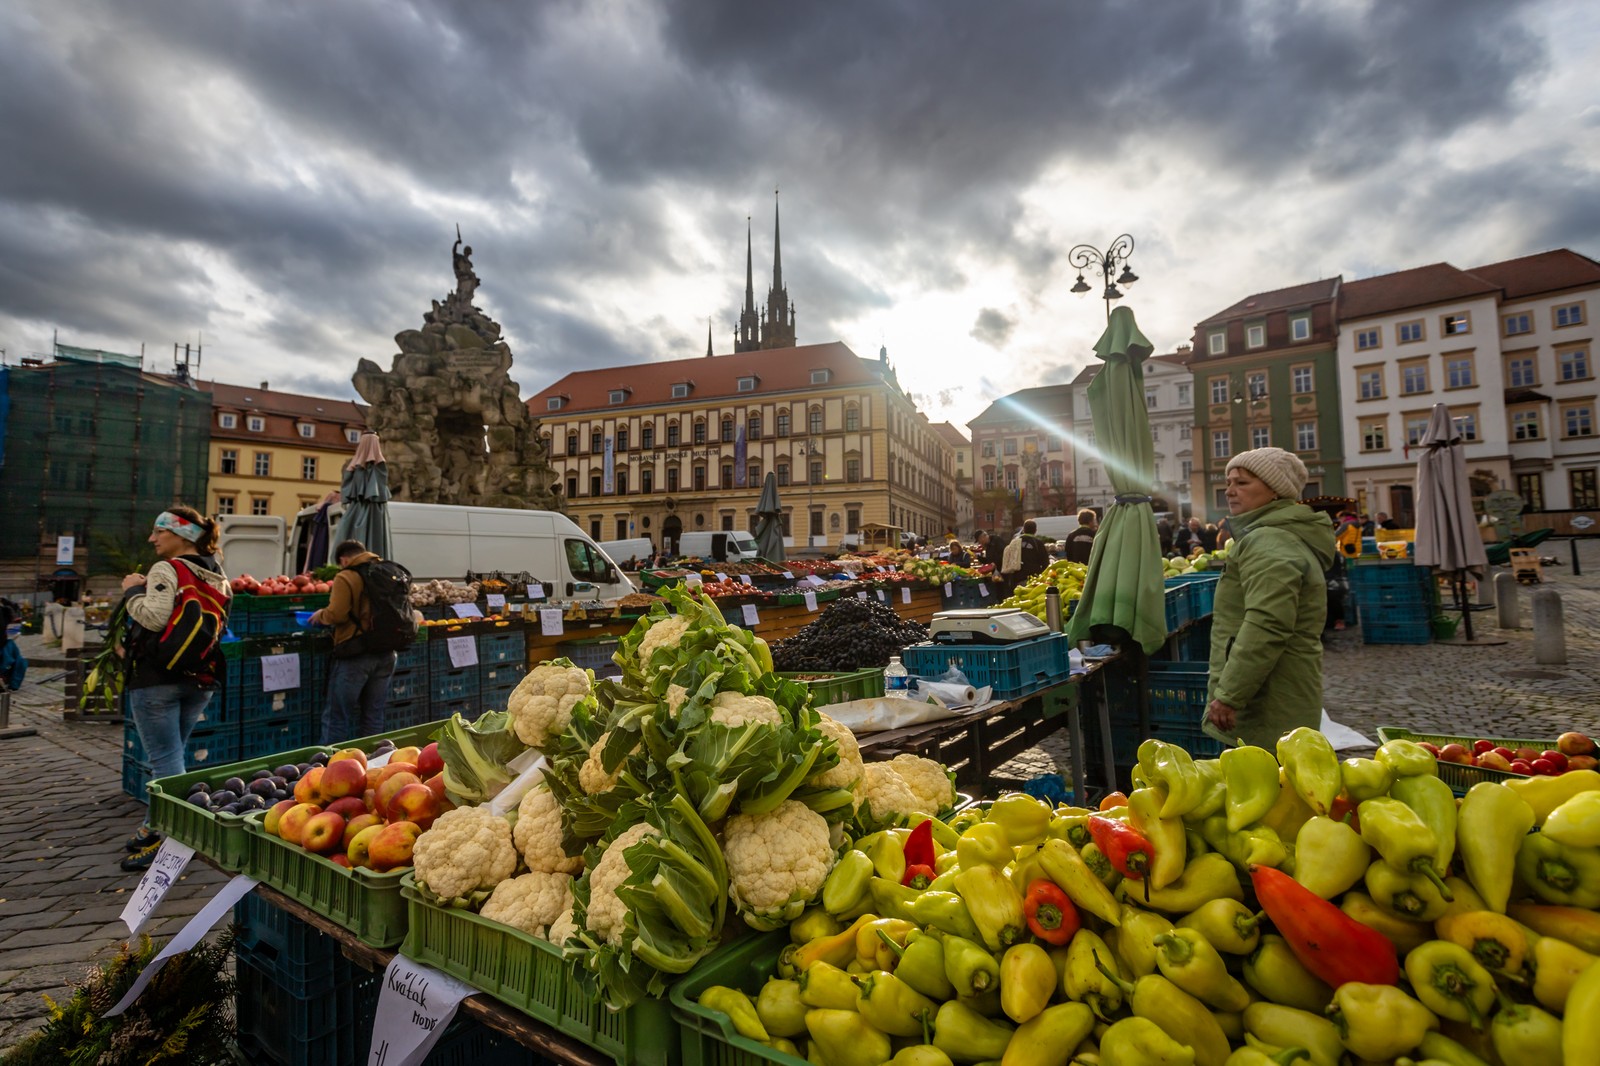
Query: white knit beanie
[1282, 471]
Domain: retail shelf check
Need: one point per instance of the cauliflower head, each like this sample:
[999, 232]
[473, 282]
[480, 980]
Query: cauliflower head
[467, 850]
[592, 776]
[927, 781]
[776, 862]
[676, 696]
[662, 634]
[541, 705]
[538, 834]
[887, 792]
[850, 772]
[562, 929]
[531, 902]
[606, 912]
[734, 709]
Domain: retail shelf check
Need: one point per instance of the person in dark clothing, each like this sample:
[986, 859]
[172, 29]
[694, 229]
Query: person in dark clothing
[1207, 537]
[1185, 541]
[1080, 542]
[991, 548]
[358, 685]
[1035, 554]
[957, 554]
[1164, 534]
[1385, 522]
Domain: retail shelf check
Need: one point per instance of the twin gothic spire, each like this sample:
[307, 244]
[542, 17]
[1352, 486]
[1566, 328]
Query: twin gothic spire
[774, 327]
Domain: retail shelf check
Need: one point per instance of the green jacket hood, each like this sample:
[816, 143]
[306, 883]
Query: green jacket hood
[1313, 528]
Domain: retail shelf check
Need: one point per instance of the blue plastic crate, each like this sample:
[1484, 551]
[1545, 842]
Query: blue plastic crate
[206, 747]
[408, 685]
[497, 676]
[1177, 700]
[264, 623]
[278, 734]
[1202, 586]
[441, 709]
[1372, 572]
[414, 658]
[445, 686]
[1012, 670]
[1177, 603]
[502, 647]
[277, 1026]
[1397, 632]
[407, 713]
[243, 690]
[294, 955]
[593, 653]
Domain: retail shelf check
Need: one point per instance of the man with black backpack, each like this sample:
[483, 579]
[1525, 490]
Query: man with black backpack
[370, 612]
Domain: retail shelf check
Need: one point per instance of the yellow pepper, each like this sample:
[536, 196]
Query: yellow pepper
[1581, 1031]
[1287, 1027]
[892, 1006]
[995, 905]
[737, 1006]
[1189, 961]
[1402, 932]
[1545, 794]
[1141, 1042]
[1027, 981]
[1070, 874]
[1135, 941]
[1024, 819]
[1494, 940]
[1576, 822]
[967, 1036]
[845, 1038]
[876, 942]
[1227, 924]
[984, 844]
[1049, 1037]
[825, 985]
[920, 1055]
[1289, 812]
[836, 950]
[1169, 851]
[1557, 966]
[1207, 877]
[1379, 1022]
[1083, 982]
[780, 1008]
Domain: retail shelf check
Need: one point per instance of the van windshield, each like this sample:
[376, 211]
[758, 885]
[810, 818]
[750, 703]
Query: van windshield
[745, 541]
[586, 562]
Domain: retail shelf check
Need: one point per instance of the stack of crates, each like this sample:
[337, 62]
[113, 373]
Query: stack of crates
[1396, 601]
[410, 689]
[451, 689]
[502, 660]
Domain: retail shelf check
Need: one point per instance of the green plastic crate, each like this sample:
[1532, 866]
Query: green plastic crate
[531, 975]
[840, 688]
[1459, 776]
[220, 837]
[707, 1036]
[363, 901]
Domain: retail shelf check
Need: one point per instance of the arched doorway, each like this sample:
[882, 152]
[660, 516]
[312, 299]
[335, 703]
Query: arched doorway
[671, 530]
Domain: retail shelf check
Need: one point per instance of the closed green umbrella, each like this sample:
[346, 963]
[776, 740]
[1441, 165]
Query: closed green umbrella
[364, 488]
[1124, 589]
[769, 521]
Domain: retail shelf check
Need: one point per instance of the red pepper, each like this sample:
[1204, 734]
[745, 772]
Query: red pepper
[1112, 801]
[1124, 846]
[918, 876]
[1344, 810]
[1328, 942]
[1051, 915]
[919, 848]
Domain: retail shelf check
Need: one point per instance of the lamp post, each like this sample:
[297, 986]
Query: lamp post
[1087, 256]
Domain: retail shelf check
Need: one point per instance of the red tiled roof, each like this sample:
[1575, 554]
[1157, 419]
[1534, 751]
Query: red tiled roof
[1435, 283]
[1545, 272]
[1179, 358]
[1087, 374]
[1023, 404]
[951, 434]
[1278, 300]
[776, 370]
[241, 398]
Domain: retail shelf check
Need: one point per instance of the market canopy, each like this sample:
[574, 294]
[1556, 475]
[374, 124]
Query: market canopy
[364, 488]
[1124, 588]
[769, 521]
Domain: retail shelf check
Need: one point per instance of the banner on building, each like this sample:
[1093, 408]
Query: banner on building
[610, 477]
[740, 451]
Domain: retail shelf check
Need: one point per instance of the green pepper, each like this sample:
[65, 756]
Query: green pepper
[1524, 1033]
[1560, 874]
[1069, 825]
[1450, 982]
[1213, 792]
[1403, 933]
[781, 1009]
[920, 1055]
[1275, 972]
[825, 985]
[892, 1006]
[1404, 840]
[1407, 758]
[1250, 778]
[1227, 924]
[1169, 852]
[888, 854]
[737, 1006]
[1140, 1042]
[1435, 804]
[1189, 961]
[1312, 766]
[921, 966]
[1050, 1036]
[1404, 895]
[1252, 846]
[892, 899]
[845, 1038]
[846, 885]
[1249, 1056]
[1288, 1027]
[985, 844]
[995, 905]
[1082, 980]
[1362, 779]
[1441, 1048]
[812, 924]
[1379, 1022]
[1207, 877]
[967, 1036]
[1492, 822]
[1101, 866]
[1329, 856]
[945, 911]
[1194, 843]
[1173, 769]
[1024, 819]
[1135, 939]
[1180, 1015]
[968, 967]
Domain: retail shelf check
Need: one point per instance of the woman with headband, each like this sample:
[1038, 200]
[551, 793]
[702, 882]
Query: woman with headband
[165, 706]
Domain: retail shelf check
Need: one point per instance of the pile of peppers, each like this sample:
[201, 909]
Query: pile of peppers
[1262, 907]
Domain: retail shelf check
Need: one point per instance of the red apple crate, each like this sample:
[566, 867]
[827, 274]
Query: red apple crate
[220, 837]
[531, 975]
[1460, 776]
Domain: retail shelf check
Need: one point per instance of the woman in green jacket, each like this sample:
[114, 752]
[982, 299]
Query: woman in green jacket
[1266, 637]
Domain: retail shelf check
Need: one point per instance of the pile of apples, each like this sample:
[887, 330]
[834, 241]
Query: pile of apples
[1573, 751]
[282, 585]
[354, 814]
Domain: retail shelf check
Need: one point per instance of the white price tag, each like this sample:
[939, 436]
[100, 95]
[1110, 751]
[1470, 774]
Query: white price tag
[983, 588]
[190, 935]
[811, 601]
[415, 1006]
[789, 574]
[496, 600]
[161, 876]
[884, 596]
[948, 591]
[744, 579]
[861, 595]
[280, 672]
[905, 595]
[721, 576]
[814, 579]
[463, 651]
[694, 579]
[751, 616]
[466, 610]
[550, 622]
[536, 591]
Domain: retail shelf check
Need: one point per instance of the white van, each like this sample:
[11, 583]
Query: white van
[441, 541]
[1056, 526]
[720, 546]
[637, 548]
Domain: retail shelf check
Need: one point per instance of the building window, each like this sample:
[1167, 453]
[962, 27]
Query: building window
[1455, 325]
[699, 431]
[572, 485]
[1184, 431]
[308, 468]
[753, 427]
[680, 391]
[727, 475]
[256, 424]
[1578, 420]
[1300, 328]
[226, 421]
[1256, 385]
[1305, 436]
[1520, 371]
[852, 470]
[1531, 488]
[1155, 434]
[1184, 399]
[1414, 378]
[815, 474]
[1150, 399]
[226, 504]
[1466, 424]
[672, 478]
[1409, 332]
[1219, 499]
[852, 418]
[1458, 371]
[783, 475]
[622, 438]
[819, 377]
[1260, 436]
[229, 463]
[1255, 336]
[673, 435]
[1574, 364]
[1368, 338]
[572, 443]
[814, 420]
[727, 431]
[622, 485]
[1219, 390]
[1011, 446]
[988, 449]
[699, 478]
[597, 441]
[553, 404]
[1568, 315]
[1011, 478]
[1585, 493]
[752, 474]
[1302, 379]
[263, 464]
[1416, 429]
[1511, 325]
[852, 520]
[260, 505]
[596, 483]
[647, 479]
[1221, 444]
[1216, 342]
[1052, 444]
[1187, 468]
[353, 436]
[1525, 425]
[647, 435]
[307, 429]
[747, 384]
[988, 479]
[1374, 436]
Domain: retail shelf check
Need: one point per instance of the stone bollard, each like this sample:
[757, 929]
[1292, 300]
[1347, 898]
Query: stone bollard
[1549, 631]
[1508, 610]
[1486, 589]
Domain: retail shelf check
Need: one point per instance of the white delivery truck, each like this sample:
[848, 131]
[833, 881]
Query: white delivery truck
[720, 546]
[441, 541]
[638, 549]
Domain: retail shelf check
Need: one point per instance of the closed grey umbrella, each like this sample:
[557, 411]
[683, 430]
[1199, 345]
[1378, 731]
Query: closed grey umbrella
[769, 521]
[1447, 537]
[364, 488]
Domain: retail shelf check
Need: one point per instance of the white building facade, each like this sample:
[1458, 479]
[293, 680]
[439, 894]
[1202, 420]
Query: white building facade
[1169, 403]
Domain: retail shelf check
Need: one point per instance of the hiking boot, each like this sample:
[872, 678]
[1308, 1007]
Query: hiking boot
[140, 860]
[142, 839]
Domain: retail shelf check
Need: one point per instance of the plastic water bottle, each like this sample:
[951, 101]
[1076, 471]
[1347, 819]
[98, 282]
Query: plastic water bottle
[896, 681]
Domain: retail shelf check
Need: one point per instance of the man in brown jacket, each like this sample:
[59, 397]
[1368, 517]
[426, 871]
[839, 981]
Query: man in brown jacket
[358, 685]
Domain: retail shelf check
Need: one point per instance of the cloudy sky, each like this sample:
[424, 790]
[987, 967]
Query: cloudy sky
[283, 178]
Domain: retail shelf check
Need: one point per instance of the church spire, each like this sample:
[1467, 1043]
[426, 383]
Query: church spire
[708, 338]
[747, 335]
[777, 247]
[777, 323]
[749, 270]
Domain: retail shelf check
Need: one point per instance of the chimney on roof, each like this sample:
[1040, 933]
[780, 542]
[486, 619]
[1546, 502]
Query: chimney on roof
[263, 386]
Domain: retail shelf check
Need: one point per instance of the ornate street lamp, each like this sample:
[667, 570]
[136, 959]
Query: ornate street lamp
[1086, 257]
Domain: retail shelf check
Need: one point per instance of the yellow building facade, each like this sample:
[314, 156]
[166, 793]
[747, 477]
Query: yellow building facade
[274, 453]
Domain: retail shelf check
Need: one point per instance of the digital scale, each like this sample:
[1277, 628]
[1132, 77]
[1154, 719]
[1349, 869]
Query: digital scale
[985, 625]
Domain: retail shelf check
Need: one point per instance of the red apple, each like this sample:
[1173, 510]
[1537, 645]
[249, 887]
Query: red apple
[1556, 758]
[339, 858]
[391, 785]
[1583, 762]
[406, 755]
[1505, 753]
[429, 761]
[308, 788]
[1481, 746]
[1526, 754]
[348, 807]
[274, 815]
[323, 834]
[1455, 753]
[414, 803]
[356, 848]
[1574, 744]
[436, 784]
[1544, 767]
[1429, 747]
[292, 824]
[352, 754]
[1521, 766]
[391, 768]
[393, 845]
[347, 777]
[358, 823]
[1494, 761]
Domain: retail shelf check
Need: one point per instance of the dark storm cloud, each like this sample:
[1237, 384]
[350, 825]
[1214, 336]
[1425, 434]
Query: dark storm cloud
[992, 328]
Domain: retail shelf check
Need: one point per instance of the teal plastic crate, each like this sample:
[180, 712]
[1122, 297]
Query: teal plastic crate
[1011, 670]
[707, 1036]
[1177, 692]
[840, 688]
